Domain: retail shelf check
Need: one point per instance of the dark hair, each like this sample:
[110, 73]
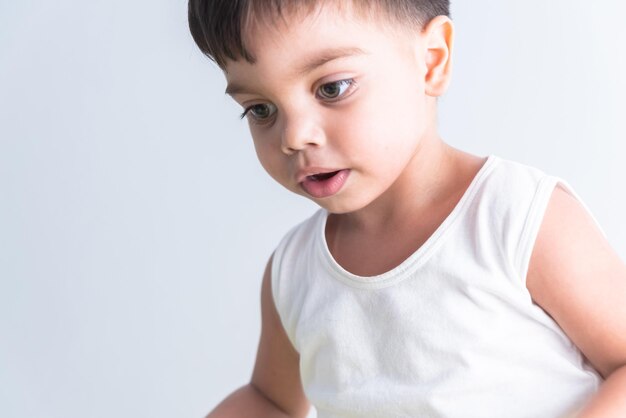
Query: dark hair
[217, 25]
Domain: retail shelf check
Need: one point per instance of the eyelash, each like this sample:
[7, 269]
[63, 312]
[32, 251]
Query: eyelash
[351, 86]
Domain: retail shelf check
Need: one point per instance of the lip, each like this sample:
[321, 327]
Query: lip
[327, 187]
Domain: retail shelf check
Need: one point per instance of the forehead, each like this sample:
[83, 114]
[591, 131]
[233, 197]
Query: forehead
[296, 42]
[281, 14]
[295, 19]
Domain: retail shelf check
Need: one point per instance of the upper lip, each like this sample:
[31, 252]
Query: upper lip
[309, 171]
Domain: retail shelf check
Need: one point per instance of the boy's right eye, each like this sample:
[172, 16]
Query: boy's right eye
[259, 112]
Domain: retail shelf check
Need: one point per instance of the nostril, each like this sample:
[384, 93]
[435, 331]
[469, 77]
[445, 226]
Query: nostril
[288, 150]
[299, 134]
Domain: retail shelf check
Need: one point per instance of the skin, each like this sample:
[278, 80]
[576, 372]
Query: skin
[402, 177]
[382, 128]
[579, 280]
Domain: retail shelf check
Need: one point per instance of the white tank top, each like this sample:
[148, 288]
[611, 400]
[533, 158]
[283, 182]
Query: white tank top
[451, 331]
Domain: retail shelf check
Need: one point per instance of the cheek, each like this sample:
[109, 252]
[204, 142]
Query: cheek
[393, 106]
[375, 130]
[270, 160]
[263, 154]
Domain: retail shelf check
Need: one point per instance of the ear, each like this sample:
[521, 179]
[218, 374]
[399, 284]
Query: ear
[439, 39]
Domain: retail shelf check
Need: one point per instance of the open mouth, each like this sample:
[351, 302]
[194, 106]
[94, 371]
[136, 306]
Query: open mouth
[325, 184]
[323, 176]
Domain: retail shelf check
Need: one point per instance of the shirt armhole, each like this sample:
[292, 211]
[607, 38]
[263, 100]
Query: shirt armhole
[535, 216]
[278, 287]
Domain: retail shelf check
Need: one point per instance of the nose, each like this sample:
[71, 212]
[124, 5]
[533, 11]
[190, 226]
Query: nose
[301, 131]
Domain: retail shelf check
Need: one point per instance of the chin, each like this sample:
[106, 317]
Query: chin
[339, 206]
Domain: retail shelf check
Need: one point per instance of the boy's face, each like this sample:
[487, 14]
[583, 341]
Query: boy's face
[332, 92]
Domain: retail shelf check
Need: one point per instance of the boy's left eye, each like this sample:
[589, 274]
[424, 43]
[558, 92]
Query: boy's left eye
[335, 89]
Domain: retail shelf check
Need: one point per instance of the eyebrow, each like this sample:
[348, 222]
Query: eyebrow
[309, 64]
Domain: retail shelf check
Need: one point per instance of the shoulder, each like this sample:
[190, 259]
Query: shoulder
[579, 280]
[511, 188]
[507, 209]
[513, 178]
[299, 237]
[305, 227]
[290, 260]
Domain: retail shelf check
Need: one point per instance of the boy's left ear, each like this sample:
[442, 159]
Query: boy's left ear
[439, 39]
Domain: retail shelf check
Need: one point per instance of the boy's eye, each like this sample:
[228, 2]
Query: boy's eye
[260, 111]
[335, 89]
[330, 91]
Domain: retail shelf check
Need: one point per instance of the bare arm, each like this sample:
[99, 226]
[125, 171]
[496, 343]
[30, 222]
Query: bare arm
[577, 278]
[275, 389]
[247, 401]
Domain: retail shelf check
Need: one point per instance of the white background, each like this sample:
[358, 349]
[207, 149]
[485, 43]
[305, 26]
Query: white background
[135, 220]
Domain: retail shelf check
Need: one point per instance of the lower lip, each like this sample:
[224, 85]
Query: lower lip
[325, 188]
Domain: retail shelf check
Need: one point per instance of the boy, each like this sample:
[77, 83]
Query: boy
[412, 291]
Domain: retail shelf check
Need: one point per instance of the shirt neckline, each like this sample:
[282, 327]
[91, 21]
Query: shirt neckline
[417, 258]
